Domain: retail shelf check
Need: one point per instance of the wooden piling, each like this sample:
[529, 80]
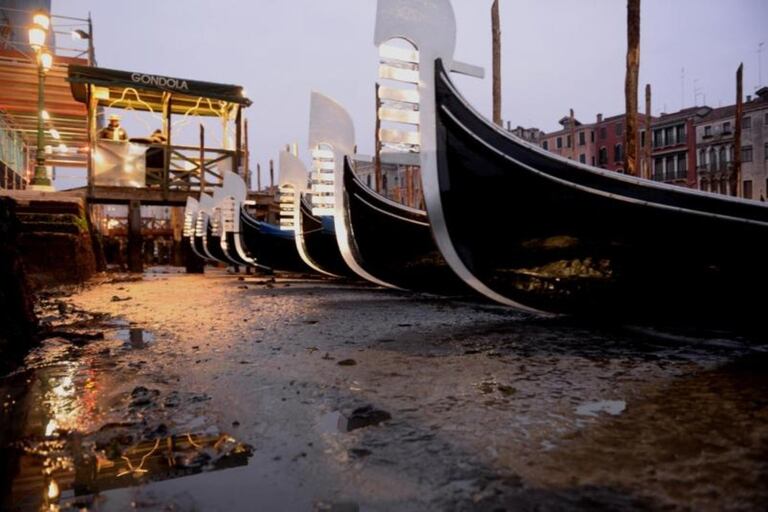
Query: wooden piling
[135, 261]
[736, 174]
[573, 135]
[258, 177]
[648, 133]
[272, 175]
[496, 41]
[630, 86]
[202, 158]
[377, 145]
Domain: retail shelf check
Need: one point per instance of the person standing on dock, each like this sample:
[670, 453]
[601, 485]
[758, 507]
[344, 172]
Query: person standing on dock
[113, 131]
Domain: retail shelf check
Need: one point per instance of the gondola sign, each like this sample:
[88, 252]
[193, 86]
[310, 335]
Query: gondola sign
[160, 81]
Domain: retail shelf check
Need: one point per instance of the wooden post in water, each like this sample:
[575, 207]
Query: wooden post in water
[258, 177]
[648, 133]
[630, 86]
[202, 158]
[135, 263]
[377, 145]
[496, 37]
[272, 175]
[736, 174]
[573, 135]
[247, 155]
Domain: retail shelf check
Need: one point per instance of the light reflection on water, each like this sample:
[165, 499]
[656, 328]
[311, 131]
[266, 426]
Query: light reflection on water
[53, 433]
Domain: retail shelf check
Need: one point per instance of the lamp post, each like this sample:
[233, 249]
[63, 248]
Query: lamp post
[38, 33]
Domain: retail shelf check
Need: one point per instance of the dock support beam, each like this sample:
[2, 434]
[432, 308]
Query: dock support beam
[135, 242]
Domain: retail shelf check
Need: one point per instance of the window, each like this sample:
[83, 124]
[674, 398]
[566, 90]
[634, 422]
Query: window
[670, 167]
[642, 139]
[746, 154]
[669, 136]
[593, 160]
[368, 180]
[658, 138]
[726, 128]
[746, 123]
[592, 132]
[618, 153]
[619, 128]
[603, 156]
[707, 131]
[559, 143]
[722, 157]
[583, 158]
[568, 141]
[545, 145]
[603, 133]
[702, 158]
[582, 138]
[765, 151]
[680, 133]
[658, 169]
[748, 189]
[682, 165]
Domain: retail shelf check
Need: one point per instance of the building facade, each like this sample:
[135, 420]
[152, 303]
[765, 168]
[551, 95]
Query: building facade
[609, 134]
[715, 149]
[577, 143]
[673, 146]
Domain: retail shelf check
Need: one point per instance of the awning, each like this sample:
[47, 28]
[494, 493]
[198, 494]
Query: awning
[18, 105]
[113, 89]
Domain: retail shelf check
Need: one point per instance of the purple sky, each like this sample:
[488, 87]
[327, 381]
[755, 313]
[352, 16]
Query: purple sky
[557, 54]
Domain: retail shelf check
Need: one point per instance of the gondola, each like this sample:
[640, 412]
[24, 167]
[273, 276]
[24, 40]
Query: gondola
[394, 242]
[317, 237]
[315, 225]
[191, 211]
[543, 233]
[202, 228]
[212, 240]
[234, 197]
[273, 246]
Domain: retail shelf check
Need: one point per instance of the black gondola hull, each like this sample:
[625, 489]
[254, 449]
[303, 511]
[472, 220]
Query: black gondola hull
[319, 242]
[558, 237]
[269, 247]
[393, 242]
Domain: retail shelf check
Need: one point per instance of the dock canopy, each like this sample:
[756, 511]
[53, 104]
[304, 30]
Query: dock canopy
[111, 87]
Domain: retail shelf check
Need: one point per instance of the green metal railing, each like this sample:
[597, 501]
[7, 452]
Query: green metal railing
[11, 148]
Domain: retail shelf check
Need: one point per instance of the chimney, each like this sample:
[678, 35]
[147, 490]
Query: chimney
[509, 126]
[599, 118]
[749, 98]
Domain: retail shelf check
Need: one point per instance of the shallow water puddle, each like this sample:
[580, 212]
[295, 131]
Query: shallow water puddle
[69, 433]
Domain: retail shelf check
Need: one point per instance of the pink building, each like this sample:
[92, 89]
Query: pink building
[582, 149]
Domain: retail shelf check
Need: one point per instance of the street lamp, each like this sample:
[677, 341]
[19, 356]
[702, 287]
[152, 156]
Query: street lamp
[38, 33]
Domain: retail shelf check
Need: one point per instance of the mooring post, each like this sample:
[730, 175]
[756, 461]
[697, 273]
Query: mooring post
[648, 133]
[736, 173]
[272, 176]
[377, 146]
[496, 43]
[135, 262]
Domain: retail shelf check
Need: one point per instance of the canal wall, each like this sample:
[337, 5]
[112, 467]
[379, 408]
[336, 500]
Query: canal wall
[17, 317]
[54, 239]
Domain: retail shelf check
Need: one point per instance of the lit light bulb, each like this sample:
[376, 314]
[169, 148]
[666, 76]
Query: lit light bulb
[54, 133]
[42, 19]
[53, 490]
[46, 61]
[36, 37]
[45, 115]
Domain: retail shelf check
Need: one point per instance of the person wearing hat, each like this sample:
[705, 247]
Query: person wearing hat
[113, 131]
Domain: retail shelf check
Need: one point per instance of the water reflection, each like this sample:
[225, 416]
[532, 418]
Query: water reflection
[58, 448]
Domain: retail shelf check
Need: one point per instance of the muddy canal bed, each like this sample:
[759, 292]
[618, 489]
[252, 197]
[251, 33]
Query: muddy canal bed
[219, 392]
